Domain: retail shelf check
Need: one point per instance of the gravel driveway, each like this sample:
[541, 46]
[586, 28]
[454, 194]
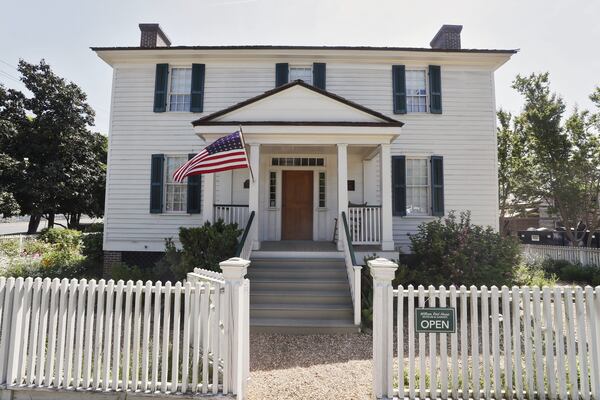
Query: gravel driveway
[310, 366]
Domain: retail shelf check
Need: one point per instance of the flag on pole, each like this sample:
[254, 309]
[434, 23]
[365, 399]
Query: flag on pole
[224, 154]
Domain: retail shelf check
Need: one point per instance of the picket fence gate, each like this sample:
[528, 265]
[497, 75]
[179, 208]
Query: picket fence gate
[120, 336]
[517, 342]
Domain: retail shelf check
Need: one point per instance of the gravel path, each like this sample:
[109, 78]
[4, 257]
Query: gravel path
[310, 366]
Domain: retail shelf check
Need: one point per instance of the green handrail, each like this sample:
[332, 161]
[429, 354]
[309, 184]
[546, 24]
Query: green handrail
[240, 246]
[348, 238]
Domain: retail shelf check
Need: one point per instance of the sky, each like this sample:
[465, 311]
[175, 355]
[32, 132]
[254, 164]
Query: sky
[561, 37]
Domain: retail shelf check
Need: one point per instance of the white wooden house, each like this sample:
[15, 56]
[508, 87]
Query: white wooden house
[386, 137]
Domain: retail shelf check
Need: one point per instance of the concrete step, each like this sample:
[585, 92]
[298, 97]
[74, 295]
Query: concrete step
[300, 297]
[302, 326]
[292, 284]
[307, 263]
[294, 272]
[301, 311]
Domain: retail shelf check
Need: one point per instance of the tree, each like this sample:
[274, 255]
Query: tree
[560, 159]
[511, 142]
[63, 163]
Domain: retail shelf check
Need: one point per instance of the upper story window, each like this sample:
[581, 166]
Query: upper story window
[417, 186]
[180, 89]
[175, 193]
[304, 73]
[416, 91]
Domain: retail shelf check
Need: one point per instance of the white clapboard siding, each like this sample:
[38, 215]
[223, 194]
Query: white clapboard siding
[114, 336]
[514, 343]
[464, 134]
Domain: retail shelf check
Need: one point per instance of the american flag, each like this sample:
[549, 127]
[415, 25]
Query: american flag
[224, 154]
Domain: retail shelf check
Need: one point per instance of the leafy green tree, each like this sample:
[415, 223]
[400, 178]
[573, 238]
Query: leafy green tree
[511, 142]
[62, 162]
[561, 158]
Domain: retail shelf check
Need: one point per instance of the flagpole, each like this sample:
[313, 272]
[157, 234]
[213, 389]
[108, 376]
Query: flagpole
[245, 152]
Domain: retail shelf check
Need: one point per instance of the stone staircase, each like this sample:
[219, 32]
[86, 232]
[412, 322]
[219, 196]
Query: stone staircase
[293, 294]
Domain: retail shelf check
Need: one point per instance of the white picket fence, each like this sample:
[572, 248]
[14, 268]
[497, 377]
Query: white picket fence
[509, 342]
[124, 336]
[583, 255]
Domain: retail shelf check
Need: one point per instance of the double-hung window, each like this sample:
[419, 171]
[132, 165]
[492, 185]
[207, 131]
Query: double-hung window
[180, 89]
[416, 91]
[175, 193]
[417, 186]
[304, 73]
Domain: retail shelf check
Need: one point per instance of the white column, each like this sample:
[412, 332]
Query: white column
[208, 198]
[237, 324]
[383, 272]
[253, 194]
[342, 167]
[387, 221]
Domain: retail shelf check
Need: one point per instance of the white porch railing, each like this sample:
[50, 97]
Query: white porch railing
[365, 224]
[112, 337]
[583, 255]
[232, 213]
[517, 342]
[353, 271]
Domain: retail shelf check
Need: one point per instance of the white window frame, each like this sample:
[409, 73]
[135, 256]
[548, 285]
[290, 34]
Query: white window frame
[171, 68]
[301, 66]
[166, 185]
[427, 186]
[425, 71]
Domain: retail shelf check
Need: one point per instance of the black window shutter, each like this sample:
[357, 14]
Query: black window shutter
[160, 87]
[156, 183]
[437, 186]
[399, 185]
[197, 95]
[282, 71]
[399, 88]
[194, 192]
[435, 89]
[319, 75]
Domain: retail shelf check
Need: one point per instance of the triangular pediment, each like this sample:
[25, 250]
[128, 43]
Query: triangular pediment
[299, 103]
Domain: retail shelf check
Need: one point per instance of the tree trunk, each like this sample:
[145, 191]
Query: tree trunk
[34, 223]
[50, 220]
[73, 220]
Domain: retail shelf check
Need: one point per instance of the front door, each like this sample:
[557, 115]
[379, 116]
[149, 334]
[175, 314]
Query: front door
[297, 205]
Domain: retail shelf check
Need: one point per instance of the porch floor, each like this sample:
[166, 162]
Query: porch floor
[297, 245]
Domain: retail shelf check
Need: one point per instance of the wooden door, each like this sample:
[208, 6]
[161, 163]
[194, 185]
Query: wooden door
[297, 205]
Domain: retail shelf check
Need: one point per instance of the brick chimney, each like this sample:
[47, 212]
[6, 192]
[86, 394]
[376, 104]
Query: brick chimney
[448, 37]
[152, 36]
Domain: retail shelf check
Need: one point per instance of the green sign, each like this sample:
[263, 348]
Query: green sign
[435, 320]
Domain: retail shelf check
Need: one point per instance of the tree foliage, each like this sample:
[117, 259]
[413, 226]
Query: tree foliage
[558, 157]
[61, 163]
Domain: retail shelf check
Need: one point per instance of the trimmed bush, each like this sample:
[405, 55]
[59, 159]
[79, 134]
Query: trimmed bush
[62, 238]
[454, 251]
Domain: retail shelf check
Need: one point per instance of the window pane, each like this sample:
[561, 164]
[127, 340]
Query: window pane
[416, 91]
[181, 86]
[175, 193]
[417, 187]
[304, 73]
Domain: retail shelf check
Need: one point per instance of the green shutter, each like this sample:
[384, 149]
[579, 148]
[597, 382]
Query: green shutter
[156, 183]
[399, 88]
[319, 75]
[194, 190]
[437, 186]
[399, 185]
[435, 89]
[160, 87]
[197, 95]
[282, 71]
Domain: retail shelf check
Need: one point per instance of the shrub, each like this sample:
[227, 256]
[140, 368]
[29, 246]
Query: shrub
[533, 274]
[62, 238]
[94, 227]
[36, 247]
[453, 251]
[9, 247]
[122, 271]
[569, 272]
[202, 247]
[61, 263]
[92, 247]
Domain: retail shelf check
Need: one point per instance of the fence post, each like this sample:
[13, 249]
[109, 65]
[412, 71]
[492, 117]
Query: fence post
[236, 324]
[383, 272]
